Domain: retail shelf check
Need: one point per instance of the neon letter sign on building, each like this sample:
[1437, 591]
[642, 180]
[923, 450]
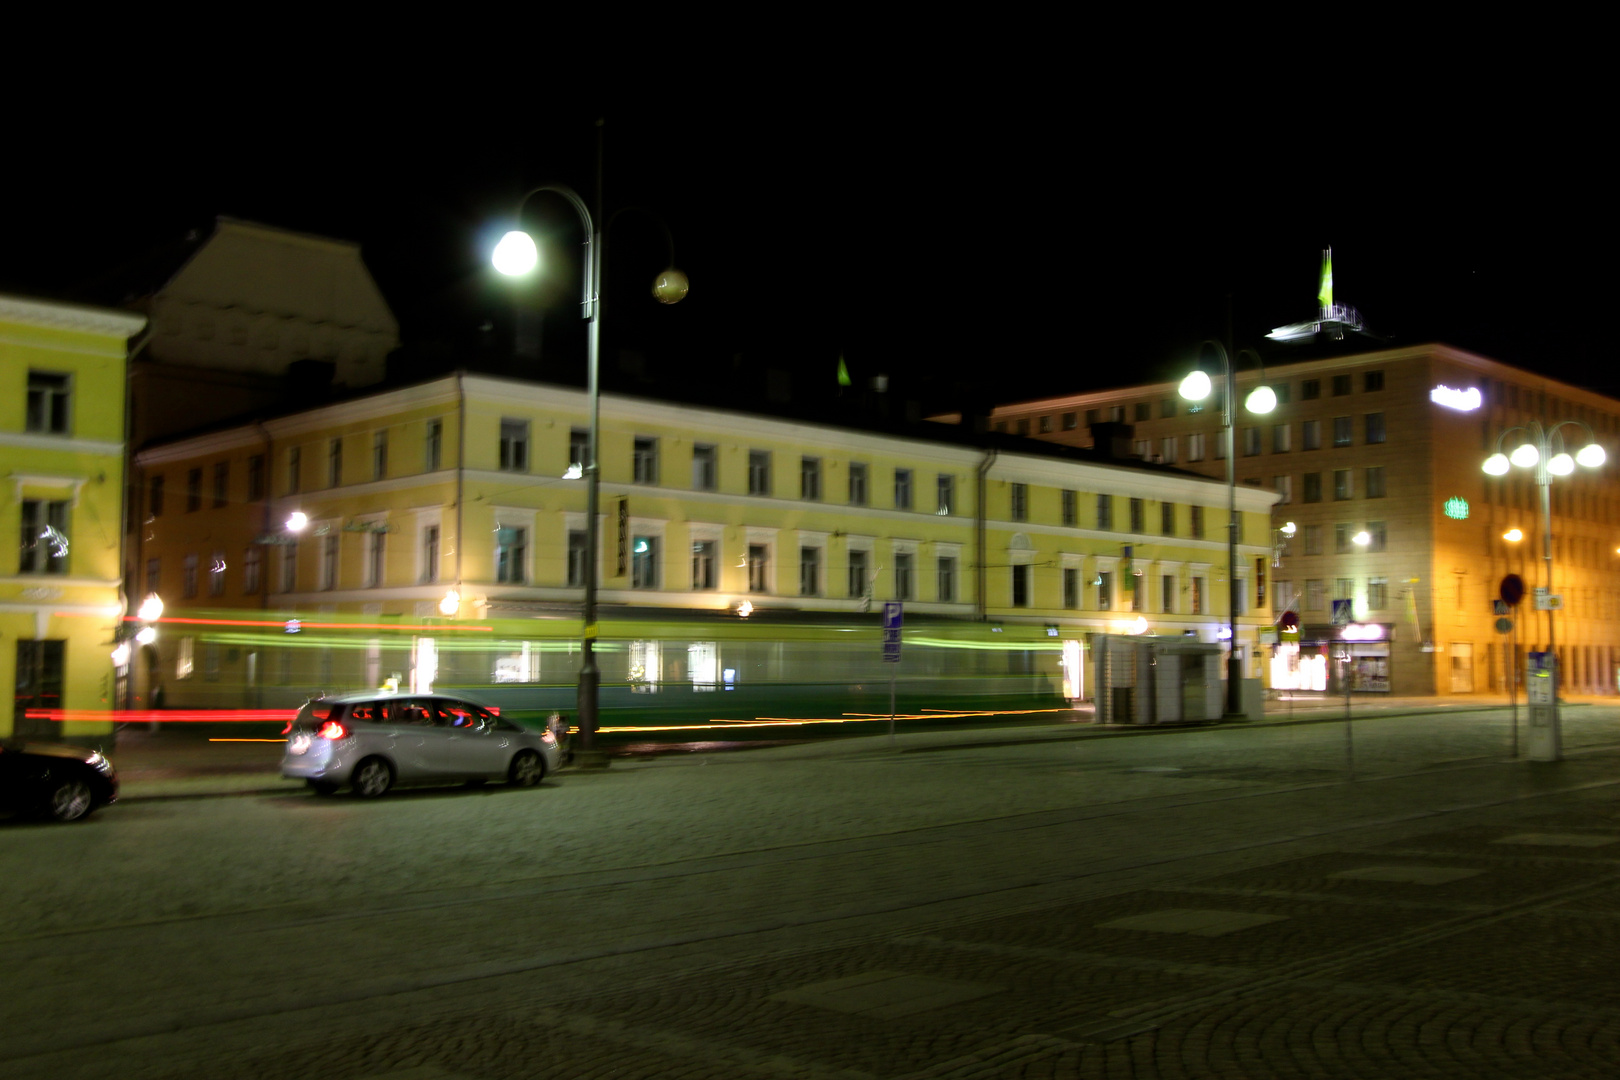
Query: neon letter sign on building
[1462, 400]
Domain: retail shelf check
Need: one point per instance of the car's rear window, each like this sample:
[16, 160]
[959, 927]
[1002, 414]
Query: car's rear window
[321, 711]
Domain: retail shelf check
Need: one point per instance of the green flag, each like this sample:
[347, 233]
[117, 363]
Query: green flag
[843, 372]
[1325, 294]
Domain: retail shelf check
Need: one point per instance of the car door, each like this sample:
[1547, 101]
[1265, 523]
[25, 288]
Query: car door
[474, 743]
[419, 742]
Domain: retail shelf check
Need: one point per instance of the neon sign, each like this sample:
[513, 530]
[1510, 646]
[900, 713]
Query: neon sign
[1363, 632]
[1462, 400]
[1457, 508]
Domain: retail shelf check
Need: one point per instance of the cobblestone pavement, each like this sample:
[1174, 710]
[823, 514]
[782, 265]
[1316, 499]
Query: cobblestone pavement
[1206, 903]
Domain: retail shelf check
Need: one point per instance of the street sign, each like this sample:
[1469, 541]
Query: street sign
[1546, 600]
[1504, 625]
[1512, 589]
[893, 617]
[1499, 607]
[1341, 613]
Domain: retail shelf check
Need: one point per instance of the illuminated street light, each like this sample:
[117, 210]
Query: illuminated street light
[1513, 536]
[1525, 456]
[450, 604]
[147, 635]
[151, 609]
[1561, 465]
[1497, 465]
[1362, 538]
[297, 521]
[120, 654]
[516, 255]
[1288, 528]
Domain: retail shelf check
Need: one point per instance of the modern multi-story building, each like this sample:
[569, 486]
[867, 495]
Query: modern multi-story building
[62, 370]
[456, 503]
[1376, 460]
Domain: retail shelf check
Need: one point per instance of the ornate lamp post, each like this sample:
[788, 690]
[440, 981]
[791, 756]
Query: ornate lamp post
[1262, 399]
[1543, 449]
[516, 255]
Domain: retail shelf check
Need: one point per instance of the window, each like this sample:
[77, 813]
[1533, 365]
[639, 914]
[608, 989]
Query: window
[188, 576]
[1379, 538]
[1046, 425]
[1167, 518]
[44, 541]
[945, 575]
[1313, 487]
[1284, 392]
[759, 565]
[48, 401]
[902, 575]
[703, 560]
[1197, 595]
[1167, 449]
[703, 467]
[1375, 482]
[579, 445]
[1195, 446]
[1116, 413]
[1342, 432]
[946, 490]
[809, 571]
[1344, 588]
[1105, 590]
[1070, 421]
[1286, 599]
[514, 446]
[1311, 434]
[222, 482]
[255, 490]
[1142, 448]
[376, 557]
[334, 462]
[1377, 593]
[1251, 441]
[1284, 486]
[1341, 385]
[1341, 537]
[216, 574]
[1375, 427]
[1105, 511]
[289, 567]
[1344, 486]
[1197, 523]
[1167, 593]
[193, 490]
[1071, 509]
[1138, 516]
[902, 489]
[1143, 411]
[430, 554]
[379, 454]
[1023, 426]
[759, 472]
[857, 483]
[643, 562]
[154, 498]
[1071, 586]
[1091, 417]
[295, 468]
[1313, 540]
[576, 556]
[1001, 426]
[1167, 408]
[511, 546]
[252, 570]
[1020, 585]
[1310, 389]
[1313, 594]
[433, 446]
[858, 578]
[1220, 446]
[644, 459]
[810, 478]
[1020, 502]
[1280, 442]
[330, 553]
[154, 576]
[1372, 381]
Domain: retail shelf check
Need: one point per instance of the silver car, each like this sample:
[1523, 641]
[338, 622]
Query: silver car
[373, 741]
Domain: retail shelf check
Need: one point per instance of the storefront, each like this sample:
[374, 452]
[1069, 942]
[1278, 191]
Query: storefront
[1321, 659]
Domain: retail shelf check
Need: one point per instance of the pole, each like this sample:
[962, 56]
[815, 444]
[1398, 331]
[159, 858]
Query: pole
[1349, 739]
[1552, 747]
[1234, 667]
[891, 705]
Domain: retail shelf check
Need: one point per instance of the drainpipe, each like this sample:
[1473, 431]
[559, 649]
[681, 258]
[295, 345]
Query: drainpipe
[981, 575]
[461, 467]
[264, 525]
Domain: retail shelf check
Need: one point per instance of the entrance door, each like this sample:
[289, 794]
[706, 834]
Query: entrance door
[39, 686]
[1462, 667]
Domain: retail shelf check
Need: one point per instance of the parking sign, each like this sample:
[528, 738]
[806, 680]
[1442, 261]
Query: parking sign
[1341, 613]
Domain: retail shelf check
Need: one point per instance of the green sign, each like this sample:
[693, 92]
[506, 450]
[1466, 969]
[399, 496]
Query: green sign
[1457, 508]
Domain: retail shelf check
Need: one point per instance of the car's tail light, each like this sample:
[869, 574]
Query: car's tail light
[332, 730]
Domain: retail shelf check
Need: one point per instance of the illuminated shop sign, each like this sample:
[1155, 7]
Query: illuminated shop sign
[1457, 508]
[1364, 632]
[1462, 400]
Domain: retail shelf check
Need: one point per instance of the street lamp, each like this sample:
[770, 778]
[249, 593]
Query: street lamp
[1262, 399]
[1543, 449]
[516, 255]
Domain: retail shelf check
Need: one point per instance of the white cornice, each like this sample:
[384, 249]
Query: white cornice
[51, 315]
[215, 442]
[28, 440]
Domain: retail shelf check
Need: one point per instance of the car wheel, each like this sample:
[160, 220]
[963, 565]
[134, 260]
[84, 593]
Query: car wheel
[322, 787]
[371, 778]
[69, 800]
[527, 769]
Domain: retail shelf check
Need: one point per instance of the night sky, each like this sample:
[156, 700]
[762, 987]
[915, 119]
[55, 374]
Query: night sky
[976, 255]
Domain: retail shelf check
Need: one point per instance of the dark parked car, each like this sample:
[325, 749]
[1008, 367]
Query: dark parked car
[54, 780]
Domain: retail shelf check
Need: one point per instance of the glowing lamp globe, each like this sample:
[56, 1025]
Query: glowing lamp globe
[120, 654]
[1525, 456]
[516, 254]
[1590, 456]
[151, 609]
[1513, 536]
[1362, 538]
[1262, 400]
[1561, 465]
[1496, 465]
[450, 604]
[670, 286]
[297, 521]
[1195, 387]
[147, 635]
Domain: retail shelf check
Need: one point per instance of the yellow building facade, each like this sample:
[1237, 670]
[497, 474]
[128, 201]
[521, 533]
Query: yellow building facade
[62, 370]
[455, 506]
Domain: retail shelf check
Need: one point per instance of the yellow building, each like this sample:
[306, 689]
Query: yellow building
[61, 460]
[461, 494]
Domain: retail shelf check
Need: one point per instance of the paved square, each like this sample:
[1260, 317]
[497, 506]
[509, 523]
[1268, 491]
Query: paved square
[1413, 875]
[1547, 839]
[886, 994]
[1202, 922]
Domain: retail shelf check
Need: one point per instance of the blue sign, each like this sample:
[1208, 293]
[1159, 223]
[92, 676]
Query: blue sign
[892, 619]
[892, 610]
[1341, 613]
